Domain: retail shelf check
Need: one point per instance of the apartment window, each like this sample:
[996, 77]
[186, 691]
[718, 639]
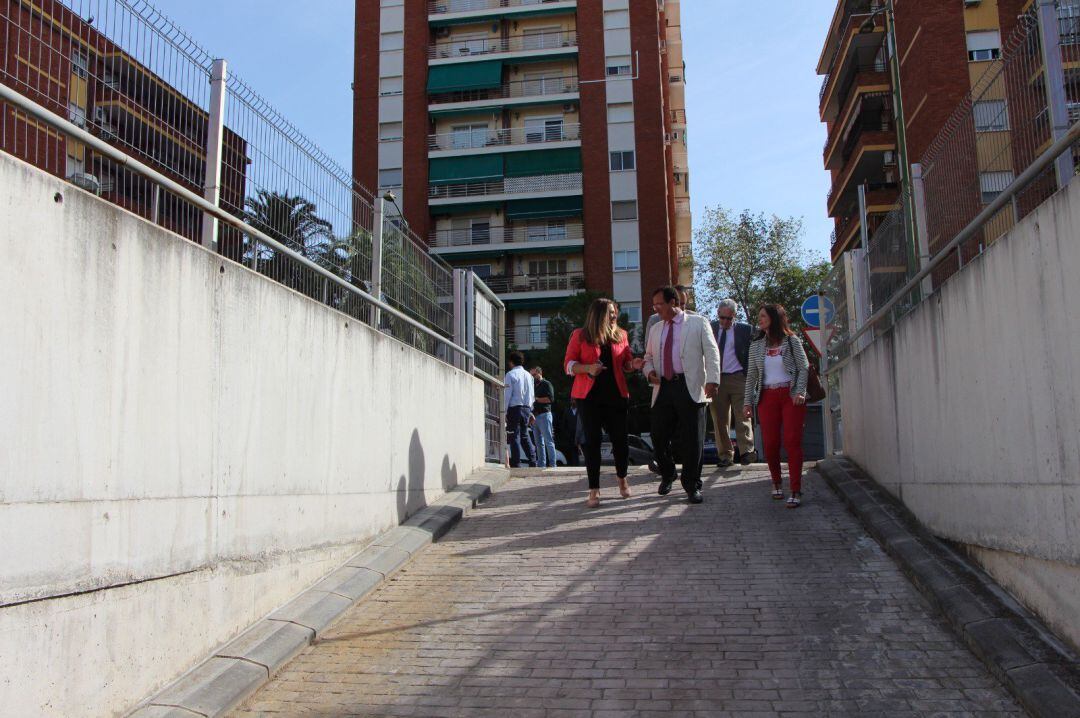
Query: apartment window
[481, 270]
[620, 112]
[621, 161]
[632, 310]
[80, 63]
[993, 183]
[390, 85]
[544, 129]
[392, 3]
[392, 41]
[389, 131]
[471, 136]
[77, 115]
[551, 231]
[1069, 20]
[538, 328]
[626, 260]
[616, 19]
[541, 38]
[984, 45]
[991, 116]
[390, 178]
[619, 66]
[623, 211]
[675, 78]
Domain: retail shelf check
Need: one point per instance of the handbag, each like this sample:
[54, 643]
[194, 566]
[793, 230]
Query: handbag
[814, 390]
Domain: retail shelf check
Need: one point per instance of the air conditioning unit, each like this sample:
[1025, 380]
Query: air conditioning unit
[569, 107]
[889, 159]
[86, 181]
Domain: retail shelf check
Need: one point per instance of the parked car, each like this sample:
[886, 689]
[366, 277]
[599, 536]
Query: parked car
[641, 450]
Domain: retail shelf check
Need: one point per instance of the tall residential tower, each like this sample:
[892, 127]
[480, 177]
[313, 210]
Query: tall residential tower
[540, 142]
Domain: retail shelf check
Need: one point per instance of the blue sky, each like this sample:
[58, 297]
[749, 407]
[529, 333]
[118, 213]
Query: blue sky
[755, 137]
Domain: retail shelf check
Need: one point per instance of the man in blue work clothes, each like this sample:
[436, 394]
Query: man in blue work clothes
[518, 398]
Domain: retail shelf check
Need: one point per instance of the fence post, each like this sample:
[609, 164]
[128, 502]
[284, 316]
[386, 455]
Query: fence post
[858, 270]
[460, 331]
[1050, 29]
[215, 133]
[922, 226]
[379, 218]
[470, 321]
[823, 374]
[864, 218]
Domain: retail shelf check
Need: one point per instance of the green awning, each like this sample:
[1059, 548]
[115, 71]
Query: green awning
[543, 208]
[543, 162]
[465, 76]
[456, 170]
[441, 210]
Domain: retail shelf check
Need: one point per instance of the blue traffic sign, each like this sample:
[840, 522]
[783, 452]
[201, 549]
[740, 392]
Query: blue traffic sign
[818, 315]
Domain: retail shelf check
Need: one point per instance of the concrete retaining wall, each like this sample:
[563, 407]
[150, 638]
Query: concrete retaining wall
[968, 411]
[185, 446]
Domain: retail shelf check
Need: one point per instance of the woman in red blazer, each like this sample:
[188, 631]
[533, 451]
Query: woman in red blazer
[599, 358]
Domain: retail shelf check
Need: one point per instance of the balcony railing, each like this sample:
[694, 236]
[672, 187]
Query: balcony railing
[852, 20]
[540, 87]
[491, 46]
[441, 7]
[481, 235]
[508, 185]
[865, 122]
[475, 139]
[522, 283]
[527, 336]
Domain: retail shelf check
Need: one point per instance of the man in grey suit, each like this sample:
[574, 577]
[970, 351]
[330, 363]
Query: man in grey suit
[682, 362]
[733, 339]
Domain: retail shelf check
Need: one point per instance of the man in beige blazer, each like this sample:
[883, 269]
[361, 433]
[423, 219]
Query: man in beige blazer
[682, 362]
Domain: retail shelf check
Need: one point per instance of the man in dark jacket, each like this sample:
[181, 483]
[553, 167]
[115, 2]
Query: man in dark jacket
[733, 338]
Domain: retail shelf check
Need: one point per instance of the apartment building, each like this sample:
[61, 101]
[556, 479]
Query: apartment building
[894, 73]
[541, 143]
[60, 60]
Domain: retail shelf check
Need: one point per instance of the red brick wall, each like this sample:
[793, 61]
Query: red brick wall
[366, 94]
[654, 168]
[416, 124]
[594, 148]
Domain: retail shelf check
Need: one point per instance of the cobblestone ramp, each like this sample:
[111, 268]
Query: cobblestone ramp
[535, 606]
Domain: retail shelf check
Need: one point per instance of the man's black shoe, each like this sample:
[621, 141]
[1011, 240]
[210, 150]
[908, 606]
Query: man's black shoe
[665, 486]
[724, 463]
[750, 457]
[696, 497]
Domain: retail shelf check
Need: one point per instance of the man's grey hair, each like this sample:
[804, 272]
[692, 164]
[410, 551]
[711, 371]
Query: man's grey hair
[729, 304]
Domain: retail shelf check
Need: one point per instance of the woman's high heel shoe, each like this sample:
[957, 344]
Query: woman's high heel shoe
[624, 488]
[592, 502]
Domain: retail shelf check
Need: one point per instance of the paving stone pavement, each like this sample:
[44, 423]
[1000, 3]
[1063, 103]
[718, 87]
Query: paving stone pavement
[535, 606]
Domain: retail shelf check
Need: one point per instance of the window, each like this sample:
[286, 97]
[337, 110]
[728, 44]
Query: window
[618, 66]
[984, 45]
[541, 38]
[389, 131]
[80, 62]
[1069, 20]
[390, 178]
[544, 129]
[621, 161]
[626, 260]
[616, 19]
[481, 270]
[626, 210]
[77, 115]
[993, 183]
[620, 112]
[675, 78]
[538, 329]
[391, 41]
[632, 310]
[390, 85]
[991, 116]
[471, 136]
[551, 231]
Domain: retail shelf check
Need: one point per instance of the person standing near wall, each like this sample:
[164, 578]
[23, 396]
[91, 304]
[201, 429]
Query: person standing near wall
[543, 429]
[598, 357]
[776, 386]
[733, 339]
[518, 398]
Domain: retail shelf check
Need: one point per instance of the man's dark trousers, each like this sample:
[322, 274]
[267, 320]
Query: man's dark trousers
[517, 430]
[675, 408]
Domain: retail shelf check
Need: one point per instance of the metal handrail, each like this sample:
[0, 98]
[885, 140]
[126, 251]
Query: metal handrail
[1045, 160]
[504, 136]
[441, 7]
[569, 182]
[503, 234]
[515, 43]
[540, 87]
[8, 94]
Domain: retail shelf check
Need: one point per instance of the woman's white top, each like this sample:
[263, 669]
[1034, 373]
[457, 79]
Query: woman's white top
[775, 373]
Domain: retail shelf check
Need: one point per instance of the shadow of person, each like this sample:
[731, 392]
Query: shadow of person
[449, 474]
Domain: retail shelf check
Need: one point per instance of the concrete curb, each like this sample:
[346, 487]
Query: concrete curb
[1040, 671]
[244, 665]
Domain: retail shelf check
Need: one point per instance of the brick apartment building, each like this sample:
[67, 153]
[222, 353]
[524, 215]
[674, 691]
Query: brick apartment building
[540, 142]
[939, 50]
[61, 61]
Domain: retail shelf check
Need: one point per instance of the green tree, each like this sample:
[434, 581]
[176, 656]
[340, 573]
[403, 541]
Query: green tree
[293, 221]
[741, 256]
[790, 287]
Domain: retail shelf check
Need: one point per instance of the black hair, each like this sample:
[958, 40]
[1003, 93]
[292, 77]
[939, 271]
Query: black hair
[516, 358]
[670, 294]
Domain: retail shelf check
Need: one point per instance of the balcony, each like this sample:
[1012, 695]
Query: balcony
[555, 185]
[542, 44]
[881, 198]
[468, 141]
[861, 53]
[530, 337]
[841, 28]
[481, 238]
[519, 92]
[869, 158]
[456, 11]
[540, 286]
[869, 121]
